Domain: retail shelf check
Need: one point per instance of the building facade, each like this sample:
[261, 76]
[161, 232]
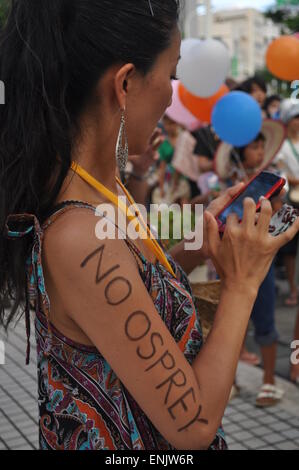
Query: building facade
[246, 33]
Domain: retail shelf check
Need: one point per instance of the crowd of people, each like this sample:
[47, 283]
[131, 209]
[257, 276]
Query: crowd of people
[195, 167]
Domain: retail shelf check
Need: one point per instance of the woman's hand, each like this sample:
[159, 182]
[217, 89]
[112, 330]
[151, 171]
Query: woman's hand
[214, 208]
[142, 163]
[244, 255]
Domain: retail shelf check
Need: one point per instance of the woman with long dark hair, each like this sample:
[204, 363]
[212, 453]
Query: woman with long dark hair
[121, 364]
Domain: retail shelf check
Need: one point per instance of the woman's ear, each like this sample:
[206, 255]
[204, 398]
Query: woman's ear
[122, 83]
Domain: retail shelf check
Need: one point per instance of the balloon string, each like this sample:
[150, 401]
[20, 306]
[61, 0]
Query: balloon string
[239, 163]
[207, 142]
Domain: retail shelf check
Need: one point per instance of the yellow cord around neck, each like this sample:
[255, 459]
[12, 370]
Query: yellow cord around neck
[142, 227]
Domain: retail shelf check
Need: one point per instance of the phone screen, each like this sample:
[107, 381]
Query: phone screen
[260, 186]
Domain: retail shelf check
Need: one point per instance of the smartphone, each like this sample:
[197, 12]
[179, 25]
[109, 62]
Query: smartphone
[264, 184]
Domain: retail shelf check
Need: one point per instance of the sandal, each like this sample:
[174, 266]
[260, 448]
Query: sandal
[269, 395]
[292, 300]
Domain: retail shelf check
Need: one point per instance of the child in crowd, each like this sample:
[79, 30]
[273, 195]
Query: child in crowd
[173, 187]
[288, 161]
[271, 108]
[241, 164]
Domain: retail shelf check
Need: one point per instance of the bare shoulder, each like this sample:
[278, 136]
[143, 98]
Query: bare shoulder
[72, 243]
[73, 224]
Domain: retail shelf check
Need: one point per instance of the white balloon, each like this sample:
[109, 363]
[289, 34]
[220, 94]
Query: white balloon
[187, 44]
[205, 67]
[186, 55]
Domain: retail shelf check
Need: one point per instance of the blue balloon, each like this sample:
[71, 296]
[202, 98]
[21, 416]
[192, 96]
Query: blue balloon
[237, 119]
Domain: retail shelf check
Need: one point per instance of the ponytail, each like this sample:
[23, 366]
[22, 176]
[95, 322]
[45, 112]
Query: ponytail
[52, 55]
[35, 127]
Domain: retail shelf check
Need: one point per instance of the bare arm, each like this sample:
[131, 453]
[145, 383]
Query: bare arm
[103, 292]
[104, 295]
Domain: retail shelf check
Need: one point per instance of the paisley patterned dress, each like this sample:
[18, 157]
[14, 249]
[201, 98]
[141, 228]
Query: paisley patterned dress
[82, 403]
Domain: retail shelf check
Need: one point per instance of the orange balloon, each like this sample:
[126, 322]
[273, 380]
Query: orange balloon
[283, 58]
[201, 108]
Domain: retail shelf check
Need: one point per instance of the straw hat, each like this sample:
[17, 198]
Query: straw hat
[274, 133]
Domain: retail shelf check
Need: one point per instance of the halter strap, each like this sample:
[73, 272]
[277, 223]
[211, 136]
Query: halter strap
[148, 237]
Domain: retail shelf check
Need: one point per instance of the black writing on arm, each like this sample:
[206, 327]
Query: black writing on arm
[99, 251]
[100, 277]
[138, 326]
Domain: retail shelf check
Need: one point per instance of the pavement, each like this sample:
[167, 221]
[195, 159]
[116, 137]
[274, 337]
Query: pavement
[18, 393]
[251, 428]
[246, 426]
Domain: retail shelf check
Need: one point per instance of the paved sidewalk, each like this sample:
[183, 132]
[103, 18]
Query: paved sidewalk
[285, 318]
[18, 393]
[246, 426]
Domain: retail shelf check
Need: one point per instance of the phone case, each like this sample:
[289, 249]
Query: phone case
[283, 220]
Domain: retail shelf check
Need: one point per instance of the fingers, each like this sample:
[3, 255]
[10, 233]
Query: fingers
[212, 231]
[157, 133]
[232, 220]
[232, 192]
[265, 216]
[286, 237]
[232, 223]
[156, 139]
[157, 142]
[249, 214]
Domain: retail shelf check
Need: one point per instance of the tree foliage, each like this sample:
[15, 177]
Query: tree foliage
[286, 13]
[4, 8]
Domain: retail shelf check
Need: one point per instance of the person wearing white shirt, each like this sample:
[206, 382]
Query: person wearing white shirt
[288, 161]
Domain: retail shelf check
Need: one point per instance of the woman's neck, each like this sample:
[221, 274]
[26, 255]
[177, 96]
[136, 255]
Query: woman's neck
[97, 157]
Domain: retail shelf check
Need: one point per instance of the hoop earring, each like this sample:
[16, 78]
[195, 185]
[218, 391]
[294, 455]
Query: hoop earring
[122, 148]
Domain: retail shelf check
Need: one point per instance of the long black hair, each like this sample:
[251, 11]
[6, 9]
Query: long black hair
[52, 55]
